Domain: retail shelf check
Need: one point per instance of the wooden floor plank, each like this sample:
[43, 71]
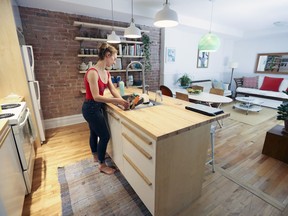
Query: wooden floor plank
[238, 150]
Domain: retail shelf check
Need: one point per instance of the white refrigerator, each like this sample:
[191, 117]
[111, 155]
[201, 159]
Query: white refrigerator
[28, 59]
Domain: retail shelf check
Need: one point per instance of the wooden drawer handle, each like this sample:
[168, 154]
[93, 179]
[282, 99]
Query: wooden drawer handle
[113, 116]
[148, 142]
[137, 170]
[140, 149]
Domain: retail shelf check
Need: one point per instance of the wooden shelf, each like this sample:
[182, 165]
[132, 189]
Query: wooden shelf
[105, 40]
[96, 56]
[84, 55]
[130, 70]
[129, 56]
[93, 25]
[117, 71]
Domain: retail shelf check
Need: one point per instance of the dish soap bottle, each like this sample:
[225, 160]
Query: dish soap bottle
[121, 87]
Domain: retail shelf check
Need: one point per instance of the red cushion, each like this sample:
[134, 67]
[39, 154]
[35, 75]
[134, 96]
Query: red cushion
[271, 83]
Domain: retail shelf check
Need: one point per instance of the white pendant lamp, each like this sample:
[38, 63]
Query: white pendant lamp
[132, 31]
[209, 42]
[113, 37]
[166, 17]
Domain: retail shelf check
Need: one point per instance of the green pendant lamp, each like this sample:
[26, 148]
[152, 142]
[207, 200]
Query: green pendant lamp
[209, 42]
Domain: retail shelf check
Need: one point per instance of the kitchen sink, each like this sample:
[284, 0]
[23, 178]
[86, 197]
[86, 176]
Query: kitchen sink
[151, 103]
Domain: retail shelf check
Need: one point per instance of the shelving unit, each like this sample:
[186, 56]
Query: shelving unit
[126, 47]
[100, 26]
[118, 71]
[104, 40]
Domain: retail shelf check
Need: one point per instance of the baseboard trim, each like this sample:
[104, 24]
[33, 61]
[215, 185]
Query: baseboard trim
[63, 121]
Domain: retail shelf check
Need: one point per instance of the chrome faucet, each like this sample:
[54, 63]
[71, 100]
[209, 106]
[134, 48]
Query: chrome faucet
[143, 74]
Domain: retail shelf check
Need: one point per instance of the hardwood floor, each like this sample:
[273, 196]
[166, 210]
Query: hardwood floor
[242, 176]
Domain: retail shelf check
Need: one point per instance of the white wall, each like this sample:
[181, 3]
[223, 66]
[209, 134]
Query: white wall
[246, 50]
[185, 41]
[243, 51]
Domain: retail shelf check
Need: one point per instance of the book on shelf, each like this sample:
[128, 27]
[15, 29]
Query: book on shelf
[130, 50]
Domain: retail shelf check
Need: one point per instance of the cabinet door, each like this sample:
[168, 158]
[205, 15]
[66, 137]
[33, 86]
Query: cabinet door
[12, 185]
[115, 144]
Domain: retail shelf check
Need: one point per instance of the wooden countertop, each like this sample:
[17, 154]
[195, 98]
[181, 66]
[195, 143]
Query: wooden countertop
[3, 130]
[11, 99]
[8, 99]
[168, 119]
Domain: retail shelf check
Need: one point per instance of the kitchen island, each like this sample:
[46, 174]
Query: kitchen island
[161, 150]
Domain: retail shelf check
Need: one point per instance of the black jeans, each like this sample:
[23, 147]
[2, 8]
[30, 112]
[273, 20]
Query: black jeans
[93, 113]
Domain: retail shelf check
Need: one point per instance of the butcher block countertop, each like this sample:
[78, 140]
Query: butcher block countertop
[6, 100]
[11, 99]
[3, 130]
[167, 119]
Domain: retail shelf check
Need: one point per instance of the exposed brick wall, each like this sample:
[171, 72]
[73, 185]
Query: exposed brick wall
[56, 63]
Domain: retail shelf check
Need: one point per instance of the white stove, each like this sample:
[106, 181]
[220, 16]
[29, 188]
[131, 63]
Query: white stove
[13, 112]
[19, 118]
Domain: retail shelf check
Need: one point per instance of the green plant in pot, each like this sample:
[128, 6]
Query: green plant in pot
[283, 113]
[184, 80]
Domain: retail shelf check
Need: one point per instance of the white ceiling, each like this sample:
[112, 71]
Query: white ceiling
[231, 17]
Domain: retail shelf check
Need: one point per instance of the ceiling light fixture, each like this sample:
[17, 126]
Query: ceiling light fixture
[132, 31]
[209, 42]
[113, 37]
[166, 17]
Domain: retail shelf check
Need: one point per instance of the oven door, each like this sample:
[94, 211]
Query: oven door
[23, 134]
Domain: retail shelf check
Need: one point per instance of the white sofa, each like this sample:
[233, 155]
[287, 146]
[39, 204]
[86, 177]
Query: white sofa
[261, 93]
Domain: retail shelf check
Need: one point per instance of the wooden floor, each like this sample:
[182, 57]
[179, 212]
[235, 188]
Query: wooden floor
[238, 158]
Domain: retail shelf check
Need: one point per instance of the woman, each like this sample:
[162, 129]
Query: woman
[96, 79]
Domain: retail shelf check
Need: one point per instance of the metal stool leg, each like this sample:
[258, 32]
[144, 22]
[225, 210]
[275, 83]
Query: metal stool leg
[212, 149]
[212, 139]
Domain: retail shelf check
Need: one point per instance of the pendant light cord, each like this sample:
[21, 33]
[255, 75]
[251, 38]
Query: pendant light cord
[211, 17]
[132, 19]
[112, 15]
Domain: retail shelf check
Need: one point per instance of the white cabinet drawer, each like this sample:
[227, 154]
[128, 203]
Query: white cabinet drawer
[136, 180]
[145, 166]
[142, 140]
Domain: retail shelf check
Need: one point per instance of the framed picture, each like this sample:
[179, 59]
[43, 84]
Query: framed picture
[170, 54]
[202, 59]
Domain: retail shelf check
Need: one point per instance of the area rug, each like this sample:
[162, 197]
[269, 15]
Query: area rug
[253, 118]
[86, 191]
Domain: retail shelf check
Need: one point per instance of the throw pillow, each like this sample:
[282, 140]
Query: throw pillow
[250, 82]
[271, 83]
[217, 84]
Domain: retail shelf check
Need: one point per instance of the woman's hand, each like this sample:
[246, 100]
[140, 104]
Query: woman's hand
[122, 102]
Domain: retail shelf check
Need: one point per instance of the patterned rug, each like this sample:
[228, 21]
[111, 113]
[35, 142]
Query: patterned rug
[86, 191]
[253, 118]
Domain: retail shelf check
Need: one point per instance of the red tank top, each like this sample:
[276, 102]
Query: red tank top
[101, 85]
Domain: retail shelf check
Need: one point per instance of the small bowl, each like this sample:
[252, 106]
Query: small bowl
[193, 91]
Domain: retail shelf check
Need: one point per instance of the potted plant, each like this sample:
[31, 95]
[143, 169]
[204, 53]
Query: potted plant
[283, 113]
[184, 80]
